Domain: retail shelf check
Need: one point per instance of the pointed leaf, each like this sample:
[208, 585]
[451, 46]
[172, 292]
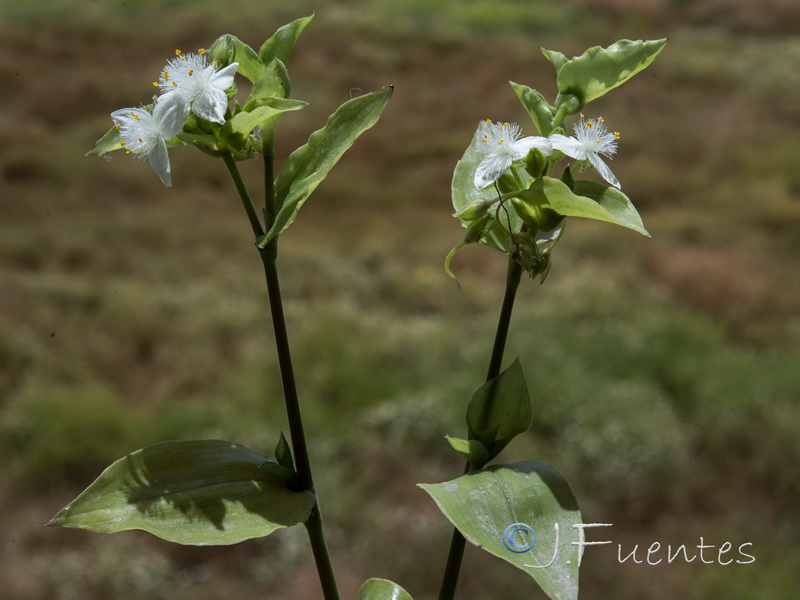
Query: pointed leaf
[229, 49]
[538, 108]
[197, 492]
[272, 83]
[599, 70]
[283, 454]
[282, 42]
[557, 59]
[485, 505]
[607, 204]
[382, 589]
[473, 451]
[307, 167]
[500, 410]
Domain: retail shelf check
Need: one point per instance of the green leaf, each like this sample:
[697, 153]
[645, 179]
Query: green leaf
[599, 70]
[271, 84]
[538, 108]
[473, 451]
[197, 492]
[236, 129]
[307, 167]
[557, 59]
[500, 410]
[282, 42]
[590, 200]
[283, 453]
[382, 589]
[466, 197]
[484, 503]
[109, 142]
[229, 49]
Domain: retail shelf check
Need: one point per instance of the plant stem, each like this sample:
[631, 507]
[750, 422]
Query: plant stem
[304, 480]
[447, 590]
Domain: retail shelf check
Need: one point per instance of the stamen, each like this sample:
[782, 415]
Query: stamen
[201, 50]
[177, 52]
[118, 127]
[166, 74]
[155, 84]
[488, 121]
[135, 116]
[482, 139]
[128, 152]
[616, 134]
[589, 124]
[175, 83]
[601, 120]
[122, 144]
[190, 72]
[140, 140]
[500, 143]
[214, 62]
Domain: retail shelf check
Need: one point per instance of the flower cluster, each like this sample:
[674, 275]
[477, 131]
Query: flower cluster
[189, 83]
[502, 145]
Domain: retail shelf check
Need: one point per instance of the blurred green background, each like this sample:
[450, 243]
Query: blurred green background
[664, 371]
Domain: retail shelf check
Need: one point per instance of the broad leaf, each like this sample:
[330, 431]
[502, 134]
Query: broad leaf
[271, 84]
[500, 410]
[484, 504]
[605, 204]
[307, 167]
[197, 492]
[538, 108]
[382, 589]
[599, 70]
[282, 41]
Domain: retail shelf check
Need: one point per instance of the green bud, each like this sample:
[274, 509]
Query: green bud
[569, 102]
[475, 210]
[535, 163]
[223, 51]
[478, 228]
[537, 217]
[566, 177]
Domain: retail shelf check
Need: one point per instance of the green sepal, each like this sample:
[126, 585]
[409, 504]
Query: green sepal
[196, 492]
[589, 200]
[538, 108]
[229, 49]
[237, 129]
[281, 43]
[108, 143]
[599, 70]
[483, 504]
[307, 167]
[500, 410]
[283, 454]
[382, 589]
[473, 451]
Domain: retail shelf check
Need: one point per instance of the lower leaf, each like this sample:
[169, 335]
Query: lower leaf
[524, 513]
[196, 492]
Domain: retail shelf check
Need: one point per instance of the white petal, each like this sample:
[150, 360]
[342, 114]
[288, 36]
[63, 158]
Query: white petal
[211, 105]
[490, 170]
[568, 145]
[223, 79]
[523, 146]
[603, 169]
[170, 112]
[159, 160]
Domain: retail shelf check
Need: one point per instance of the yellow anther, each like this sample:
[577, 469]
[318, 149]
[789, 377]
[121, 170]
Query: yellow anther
[190, 71]
[135, 116]
[599, 141]
[581, 115]
[128, 152]
[500, 142]
[484, 140]
[140, 140]
[616, 134]
[175, 83]
[118, 127]
[601, 120]
[166, 74]
[214, 62]
[177, 52]
[201, 50]
[488, 121]
[155, 84]
[122, 144]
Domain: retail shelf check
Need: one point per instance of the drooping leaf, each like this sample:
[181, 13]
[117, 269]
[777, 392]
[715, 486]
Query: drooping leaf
[538, 108]
[307, 167]
[485, 504]
[500, 410]
[196, 492]
[599, 70]
[606, 203]
[282, 42]
[382, 589]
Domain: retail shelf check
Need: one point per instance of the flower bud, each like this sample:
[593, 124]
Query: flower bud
[569, 102]
[223, 51]
[535, 163]
[475, 210]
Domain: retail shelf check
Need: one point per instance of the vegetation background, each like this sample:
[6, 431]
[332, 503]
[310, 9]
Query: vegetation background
[663, 371]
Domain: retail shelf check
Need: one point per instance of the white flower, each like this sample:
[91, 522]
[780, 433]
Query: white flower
[145, 134]
[200, 84]
[502, 145]
[591, 139]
